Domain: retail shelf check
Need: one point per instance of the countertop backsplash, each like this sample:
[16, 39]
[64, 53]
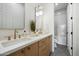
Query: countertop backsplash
[5, 33]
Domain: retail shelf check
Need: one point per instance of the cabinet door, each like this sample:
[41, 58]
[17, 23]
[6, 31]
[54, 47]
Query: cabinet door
[43, 51]
[32, 50]
[45, 46]
[18, 53]
[49, 40]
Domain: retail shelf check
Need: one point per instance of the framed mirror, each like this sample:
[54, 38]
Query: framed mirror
[12, 15]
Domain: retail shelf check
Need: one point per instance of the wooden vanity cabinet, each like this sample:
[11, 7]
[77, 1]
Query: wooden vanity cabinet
[18, 53]
[40, 48]
[45, 46]
[31, 50]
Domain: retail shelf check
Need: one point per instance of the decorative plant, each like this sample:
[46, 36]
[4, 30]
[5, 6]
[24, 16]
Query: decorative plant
[32, 26]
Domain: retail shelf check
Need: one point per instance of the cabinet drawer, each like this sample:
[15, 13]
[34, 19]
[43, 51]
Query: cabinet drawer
[18, 53]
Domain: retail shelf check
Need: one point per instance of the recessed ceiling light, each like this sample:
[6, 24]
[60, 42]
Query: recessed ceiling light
[56, 3]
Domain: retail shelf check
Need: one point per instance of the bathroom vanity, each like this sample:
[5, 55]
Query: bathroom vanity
[40, 45]
[17, 17]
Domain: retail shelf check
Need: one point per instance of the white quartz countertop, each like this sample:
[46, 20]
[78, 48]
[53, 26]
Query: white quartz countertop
[22, 42]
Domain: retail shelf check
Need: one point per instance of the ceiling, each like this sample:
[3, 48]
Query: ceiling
[59, 6]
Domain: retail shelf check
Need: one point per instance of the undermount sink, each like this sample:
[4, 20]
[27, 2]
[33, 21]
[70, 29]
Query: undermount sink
[13, 42]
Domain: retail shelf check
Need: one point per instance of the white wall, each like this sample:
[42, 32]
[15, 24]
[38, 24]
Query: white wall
[60, 26]
[29, 15]
[76, 29]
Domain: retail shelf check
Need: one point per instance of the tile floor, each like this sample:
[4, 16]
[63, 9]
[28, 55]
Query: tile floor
[61, 50]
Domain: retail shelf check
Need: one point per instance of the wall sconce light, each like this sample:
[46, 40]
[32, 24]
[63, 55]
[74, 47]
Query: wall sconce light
[39, 13]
